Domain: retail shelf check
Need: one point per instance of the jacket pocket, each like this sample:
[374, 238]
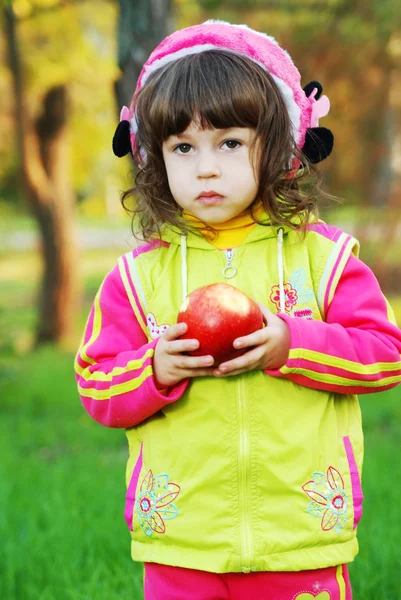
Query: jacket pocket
[131, 492]
[356, 486]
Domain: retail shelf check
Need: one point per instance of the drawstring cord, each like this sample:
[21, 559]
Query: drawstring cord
[280, 265]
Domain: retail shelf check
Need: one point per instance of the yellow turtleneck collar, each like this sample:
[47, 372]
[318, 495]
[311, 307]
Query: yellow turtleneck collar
[231, 233]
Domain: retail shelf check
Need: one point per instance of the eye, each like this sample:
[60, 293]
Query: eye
[183, 148]
[232, 144]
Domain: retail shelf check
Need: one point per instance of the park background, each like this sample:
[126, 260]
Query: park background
[66, 68]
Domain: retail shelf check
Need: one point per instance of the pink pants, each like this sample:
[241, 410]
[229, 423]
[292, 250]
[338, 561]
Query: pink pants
[162, 582]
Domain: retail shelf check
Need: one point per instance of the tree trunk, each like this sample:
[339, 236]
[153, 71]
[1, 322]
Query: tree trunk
[43, 148]
[142, 25]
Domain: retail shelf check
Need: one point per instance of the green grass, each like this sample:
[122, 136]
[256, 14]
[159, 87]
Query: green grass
[62, 529]
[62, 492]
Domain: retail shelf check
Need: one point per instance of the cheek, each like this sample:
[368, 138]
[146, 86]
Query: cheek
[245, 176]
[177, 177]
[172, 173]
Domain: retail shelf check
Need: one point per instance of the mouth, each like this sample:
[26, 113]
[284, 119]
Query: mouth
[210, 198]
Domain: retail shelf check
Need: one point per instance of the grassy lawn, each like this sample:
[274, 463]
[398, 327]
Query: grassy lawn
[61, 495]
[62, 491]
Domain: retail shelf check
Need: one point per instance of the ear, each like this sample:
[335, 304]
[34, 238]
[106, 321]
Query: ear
[318, 144]
[121, 139]
[308, 89]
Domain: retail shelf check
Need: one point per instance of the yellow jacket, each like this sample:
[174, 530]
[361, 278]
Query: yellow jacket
[259, 471]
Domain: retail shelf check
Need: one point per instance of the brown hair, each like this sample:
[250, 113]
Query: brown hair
[218, 89]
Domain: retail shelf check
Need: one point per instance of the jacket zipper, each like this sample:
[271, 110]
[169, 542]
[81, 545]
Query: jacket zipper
[229, 270]
[244, 480]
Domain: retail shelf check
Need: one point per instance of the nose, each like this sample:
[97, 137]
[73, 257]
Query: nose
[207, 166]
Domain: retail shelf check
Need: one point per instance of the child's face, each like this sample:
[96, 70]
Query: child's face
[217, 160]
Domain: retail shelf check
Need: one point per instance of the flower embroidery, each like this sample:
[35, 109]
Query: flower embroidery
[295, 294]
[329, 500]
[290, 296]
[305, 313]
[154, 503]
[155, 330]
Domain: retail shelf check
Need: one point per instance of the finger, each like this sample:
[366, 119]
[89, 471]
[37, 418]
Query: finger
[174, 331]
[246, 361]
[192, 362]
[265, 312]
[199, 373]
[253, 339]
[179, 346]
[232, 373]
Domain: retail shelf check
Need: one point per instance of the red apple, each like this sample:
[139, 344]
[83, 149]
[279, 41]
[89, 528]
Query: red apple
[216, 315]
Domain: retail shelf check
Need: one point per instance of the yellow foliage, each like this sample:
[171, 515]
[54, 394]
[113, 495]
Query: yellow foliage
[22, 8]
[46, 3]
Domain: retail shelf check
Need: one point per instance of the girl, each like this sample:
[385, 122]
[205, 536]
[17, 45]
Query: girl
[243, 478]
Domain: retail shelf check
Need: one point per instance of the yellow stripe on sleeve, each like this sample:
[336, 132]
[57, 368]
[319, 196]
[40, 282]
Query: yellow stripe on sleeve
[328, 270]
[348, 246]
[390, 313]
[341, 381]
[115, 390]
[342, 363]
[341, 582]
[130, 295]
[132, 365]
[97, 324]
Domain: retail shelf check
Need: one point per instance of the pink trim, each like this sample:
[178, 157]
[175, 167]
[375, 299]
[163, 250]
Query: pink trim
[133, 290]
[148, 246]
[89, 326]
[328, 231]
[329, 284]
[81, 362]
[348, 590]
[87, 336]
[131, 492]
[357, 493]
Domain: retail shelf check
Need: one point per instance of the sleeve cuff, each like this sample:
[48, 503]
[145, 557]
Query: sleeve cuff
[295, 326]
[165, 395]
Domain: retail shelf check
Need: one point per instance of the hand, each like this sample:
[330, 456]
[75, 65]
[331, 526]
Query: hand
[170, 365]
[270, 348]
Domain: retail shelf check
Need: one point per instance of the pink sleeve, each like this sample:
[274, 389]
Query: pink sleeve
[114, 364]
[356, 350]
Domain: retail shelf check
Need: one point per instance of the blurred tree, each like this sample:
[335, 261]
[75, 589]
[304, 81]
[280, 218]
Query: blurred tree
[57, 94]
[142, 24]
[73, 43]
[43, 151]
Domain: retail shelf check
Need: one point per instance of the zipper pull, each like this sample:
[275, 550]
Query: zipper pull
[229, 270]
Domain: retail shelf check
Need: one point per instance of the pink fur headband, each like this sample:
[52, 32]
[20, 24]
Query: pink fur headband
[305, 106]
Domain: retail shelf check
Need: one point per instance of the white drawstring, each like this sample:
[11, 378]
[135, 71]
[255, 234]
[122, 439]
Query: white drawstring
[184, 270]
[281, 268]
[280, 264]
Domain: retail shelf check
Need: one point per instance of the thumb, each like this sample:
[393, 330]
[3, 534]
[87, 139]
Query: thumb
[267, 314]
